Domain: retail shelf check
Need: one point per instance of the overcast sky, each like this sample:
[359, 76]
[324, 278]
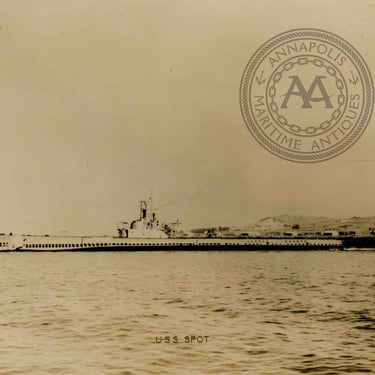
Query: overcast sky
[103, 101]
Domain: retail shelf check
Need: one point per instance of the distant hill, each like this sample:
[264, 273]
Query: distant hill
[362, 226]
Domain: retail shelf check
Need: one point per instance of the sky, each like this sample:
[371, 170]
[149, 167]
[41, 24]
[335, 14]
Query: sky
[106, 101]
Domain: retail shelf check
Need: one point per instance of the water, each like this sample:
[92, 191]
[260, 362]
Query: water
[263, 312]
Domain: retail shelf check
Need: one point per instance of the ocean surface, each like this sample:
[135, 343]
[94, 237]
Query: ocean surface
[187, 313]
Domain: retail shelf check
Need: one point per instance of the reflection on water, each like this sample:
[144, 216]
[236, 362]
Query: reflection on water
[263, 313]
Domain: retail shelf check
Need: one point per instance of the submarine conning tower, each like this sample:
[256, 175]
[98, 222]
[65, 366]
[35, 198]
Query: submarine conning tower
[147, 226]
[146, 212]
[147, 218]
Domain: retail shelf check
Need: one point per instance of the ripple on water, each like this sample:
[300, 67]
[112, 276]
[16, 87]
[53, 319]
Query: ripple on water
[267, 313]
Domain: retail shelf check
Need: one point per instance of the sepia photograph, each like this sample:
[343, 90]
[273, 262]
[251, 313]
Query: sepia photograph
[187, 187]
